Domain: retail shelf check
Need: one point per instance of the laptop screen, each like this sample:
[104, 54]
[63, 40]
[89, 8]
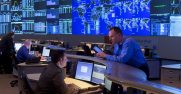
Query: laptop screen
[18, 46]
[84, 71]
[46, 52]
[98, 73]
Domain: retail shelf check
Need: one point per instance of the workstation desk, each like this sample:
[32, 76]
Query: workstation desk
[117, 73]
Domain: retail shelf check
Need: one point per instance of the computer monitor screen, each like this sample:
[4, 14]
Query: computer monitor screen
[46, 52]
[52, 2]
[98, 73]
[17, 46]
[84, 71]
[108, 84]
[175, 27]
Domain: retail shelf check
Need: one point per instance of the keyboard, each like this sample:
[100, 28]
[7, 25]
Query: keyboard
[79, 83]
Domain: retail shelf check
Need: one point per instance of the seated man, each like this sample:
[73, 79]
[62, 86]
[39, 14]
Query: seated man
[52, 78]
[23, 53]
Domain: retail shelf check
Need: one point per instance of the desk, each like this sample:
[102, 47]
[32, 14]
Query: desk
[171, 75]
[125, 75]
[131, 77]
[74, 51]
[80, 84]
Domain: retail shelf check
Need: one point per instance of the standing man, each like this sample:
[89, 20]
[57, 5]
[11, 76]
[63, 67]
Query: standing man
[7, 52]
[125, 51]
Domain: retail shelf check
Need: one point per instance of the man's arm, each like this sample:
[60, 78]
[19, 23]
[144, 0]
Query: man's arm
[26, 54]
[59, 84]
[125, 54]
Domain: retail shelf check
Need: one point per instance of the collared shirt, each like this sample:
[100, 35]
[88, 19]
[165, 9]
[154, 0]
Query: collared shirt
[128, 52]
[23, 54]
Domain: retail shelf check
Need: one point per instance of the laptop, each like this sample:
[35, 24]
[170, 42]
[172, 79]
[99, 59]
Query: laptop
[45, 54]
[17, 46]
[84, 71]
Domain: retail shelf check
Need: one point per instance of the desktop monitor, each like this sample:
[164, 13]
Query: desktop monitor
[45, 52]
[17, 46]
[84, 71]
[108, 84]
[98, 74]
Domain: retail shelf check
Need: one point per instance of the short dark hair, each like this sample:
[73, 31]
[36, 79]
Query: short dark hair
[9, 34]
[116, 29]
[56, 55]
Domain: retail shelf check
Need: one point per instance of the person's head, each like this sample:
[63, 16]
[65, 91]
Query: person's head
[115, 35]
[59, 58]
[10, 34]
[27, 43]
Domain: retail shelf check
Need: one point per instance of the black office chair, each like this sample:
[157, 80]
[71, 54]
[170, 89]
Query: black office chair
[27, 87]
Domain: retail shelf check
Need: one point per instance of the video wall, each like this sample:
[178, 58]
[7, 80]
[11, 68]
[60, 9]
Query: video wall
[36, 16]
[165, 17]
[95, 17]
[91, 17]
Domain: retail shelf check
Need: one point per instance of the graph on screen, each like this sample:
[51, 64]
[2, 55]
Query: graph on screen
[17, 27]
[52, 14]
[52, 2]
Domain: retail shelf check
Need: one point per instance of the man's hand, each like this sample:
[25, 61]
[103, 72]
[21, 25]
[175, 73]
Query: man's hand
[73, 89]
[101, 54]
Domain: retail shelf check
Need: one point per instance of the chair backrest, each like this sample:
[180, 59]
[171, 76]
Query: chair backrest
[15, 62]
[27, 87]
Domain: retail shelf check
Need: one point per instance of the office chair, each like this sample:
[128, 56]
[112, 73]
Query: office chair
[26, 85]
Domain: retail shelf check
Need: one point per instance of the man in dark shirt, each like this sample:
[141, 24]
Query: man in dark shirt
[23, 53]
[52, 78]
[7, 52]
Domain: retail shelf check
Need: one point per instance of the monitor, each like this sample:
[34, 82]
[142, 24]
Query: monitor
[46, 52]
[108, 84]
[84, 71]
[52, 14]
[175, 22]
[17, 46]
[52, 2]
[98, 74]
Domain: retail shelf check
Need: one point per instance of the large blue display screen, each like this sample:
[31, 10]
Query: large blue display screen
[95, 17]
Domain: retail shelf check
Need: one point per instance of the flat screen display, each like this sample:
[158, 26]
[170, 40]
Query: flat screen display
[175, 28]
[98, 73]
[52, 2]
[17, 46]
[84, 71]
[45, 52]
[96, 17]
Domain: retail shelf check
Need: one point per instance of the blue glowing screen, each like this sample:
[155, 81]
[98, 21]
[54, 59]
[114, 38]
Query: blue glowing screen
[52, 2]
[95, 17]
